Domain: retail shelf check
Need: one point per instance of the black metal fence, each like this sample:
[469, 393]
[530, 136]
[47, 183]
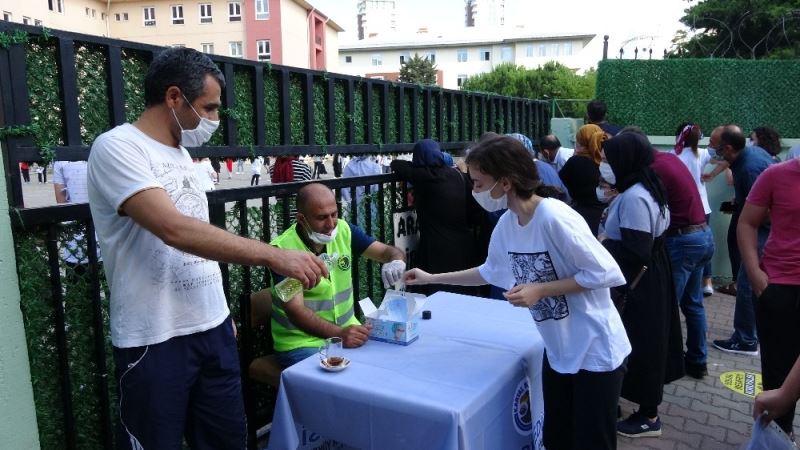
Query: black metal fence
[60, 90]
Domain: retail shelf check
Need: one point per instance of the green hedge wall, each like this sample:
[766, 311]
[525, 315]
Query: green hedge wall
[659, 95]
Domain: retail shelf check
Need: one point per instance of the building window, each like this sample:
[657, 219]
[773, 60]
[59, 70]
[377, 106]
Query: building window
[208, 48]
[377, 60]
[121, 17]
[88, 12]
[7, 16]
[555, 49]
[568, 49]
[506, 54]
[542, 50]
[461, 79]
[430, 56]
[235, 48]
[177, 14]
[37, 22]
[94, 13]
[484, 54]
[529, 51]
[404, 57]
[348, 59]
[205, 13]
[264, 50]
[462, 55]
[55, 5]
[262, 9]
[26, 20]
[234, 12]
[103, 17]
[149, 16]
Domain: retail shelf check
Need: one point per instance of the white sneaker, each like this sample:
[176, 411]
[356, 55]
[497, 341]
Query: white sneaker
[708, 291]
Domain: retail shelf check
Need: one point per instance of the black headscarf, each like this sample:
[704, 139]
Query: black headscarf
[630, 156]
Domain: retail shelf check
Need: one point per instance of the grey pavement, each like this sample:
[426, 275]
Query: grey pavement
[696, 414]
[704, 414]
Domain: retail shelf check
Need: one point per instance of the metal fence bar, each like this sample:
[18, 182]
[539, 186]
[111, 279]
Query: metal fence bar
[367, 109]
[115, 82]
[106, 426]
[69, 90]
[401, 118]
[57, 299]
[350, 107]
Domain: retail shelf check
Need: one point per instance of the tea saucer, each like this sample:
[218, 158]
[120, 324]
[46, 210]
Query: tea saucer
[339, 368]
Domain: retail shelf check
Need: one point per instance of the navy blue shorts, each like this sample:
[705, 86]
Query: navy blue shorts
[188, 386]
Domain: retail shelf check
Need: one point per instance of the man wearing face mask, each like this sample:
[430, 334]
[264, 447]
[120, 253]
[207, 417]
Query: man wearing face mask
[746, 163]
[300, 326]
[175, 348]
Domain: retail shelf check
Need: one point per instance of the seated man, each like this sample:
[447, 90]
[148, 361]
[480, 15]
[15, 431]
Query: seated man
[300, 326]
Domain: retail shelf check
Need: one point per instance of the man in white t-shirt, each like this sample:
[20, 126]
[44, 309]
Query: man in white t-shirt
[174, 342]
[551, 152]
[69, 186]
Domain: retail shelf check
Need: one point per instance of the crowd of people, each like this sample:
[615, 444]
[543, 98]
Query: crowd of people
[605, 245]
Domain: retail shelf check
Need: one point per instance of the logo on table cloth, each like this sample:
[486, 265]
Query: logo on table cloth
[521, 408]
[538, 268]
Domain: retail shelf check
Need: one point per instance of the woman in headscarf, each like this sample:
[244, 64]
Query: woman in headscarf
[445, 211]
[581, 176]
[634, 229]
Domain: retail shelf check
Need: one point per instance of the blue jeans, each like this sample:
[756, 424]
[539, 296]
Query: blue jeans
[744, 316]
[689, 254]
[707, 268]
[292, 357]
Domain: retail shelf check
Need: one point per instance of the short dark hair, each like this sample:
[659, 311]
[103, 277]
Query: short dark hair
[504, 156]
[185, 68]
[596, 110]
[549, 142]
[733, 136]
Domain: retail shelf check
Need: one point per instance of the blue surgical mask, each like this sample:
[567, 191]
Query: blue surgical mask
[607, 173]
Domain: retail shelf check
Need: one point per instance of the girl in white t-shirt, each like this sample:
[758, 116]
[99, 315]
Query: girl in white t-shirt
[544, 254]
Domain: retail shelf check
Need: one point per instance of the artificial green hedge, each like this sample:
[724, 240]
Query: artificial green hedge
[659, 95]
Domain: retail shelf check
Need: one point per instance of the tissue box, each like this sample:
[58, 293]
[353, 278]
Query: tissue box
[397, 320]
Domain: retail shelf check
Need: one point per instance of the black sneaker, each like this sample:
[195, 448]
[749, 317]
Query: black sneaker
[637, 425]
[734, 346]
[696, 370]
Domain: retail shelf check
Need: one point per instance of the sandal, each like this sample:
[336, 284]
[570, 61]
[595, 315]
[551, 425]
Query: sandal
[729, 289]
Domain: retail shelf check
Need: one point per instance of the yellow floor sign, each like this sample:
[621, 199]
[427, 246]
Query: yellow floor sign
[745, 383]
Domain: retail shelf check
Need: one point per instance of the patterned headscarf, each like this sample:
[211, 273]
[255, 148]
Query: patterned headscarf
[525, 141]
[680, 140]
[591, 138]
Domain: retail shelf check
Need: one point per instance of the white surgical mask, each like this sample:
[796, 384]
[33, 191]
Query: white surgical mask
[602, 194]
[199, 135]
[320, 238]
[607, 173]
[488, 203]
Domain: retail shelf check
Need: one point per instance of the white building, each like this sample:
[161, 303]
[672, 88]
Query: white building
[460, 56]
[376, 17]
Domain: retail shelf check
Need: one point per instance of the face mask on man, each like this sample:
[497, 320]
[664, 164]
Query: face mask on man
[607, 173]
[320, 238]
[487, 202]
[201, 134]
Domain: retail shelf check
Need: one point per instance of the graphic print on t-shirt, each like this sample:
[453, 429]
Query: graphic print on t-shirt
[538, 268]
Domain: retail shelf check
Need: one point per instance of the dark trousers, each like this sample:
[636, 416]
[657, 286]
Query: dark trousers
[733, 247]
[254, 180]
[778, 324]
[580, 410]
[186, 386]
[26, 175]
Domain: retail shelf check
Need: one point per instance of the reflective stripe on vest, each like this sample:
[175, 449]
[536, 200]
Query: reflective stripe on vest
[331, 299]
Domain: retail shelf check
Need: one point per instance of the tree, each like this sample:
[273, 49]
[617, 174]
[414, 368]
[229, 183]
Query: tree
[551, 81]
[750, 29]
[418, 70]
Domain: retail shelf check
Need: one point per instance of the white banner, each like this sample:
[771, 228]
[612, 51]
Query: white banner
[406, 234]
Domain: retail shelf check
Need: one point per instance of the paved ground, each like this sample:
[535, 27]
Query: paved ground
[704, 414]
[696, 414]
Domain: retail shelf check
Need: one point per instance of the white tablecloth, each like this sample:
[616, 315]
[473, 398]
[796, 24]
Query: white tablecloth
[462, 385]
